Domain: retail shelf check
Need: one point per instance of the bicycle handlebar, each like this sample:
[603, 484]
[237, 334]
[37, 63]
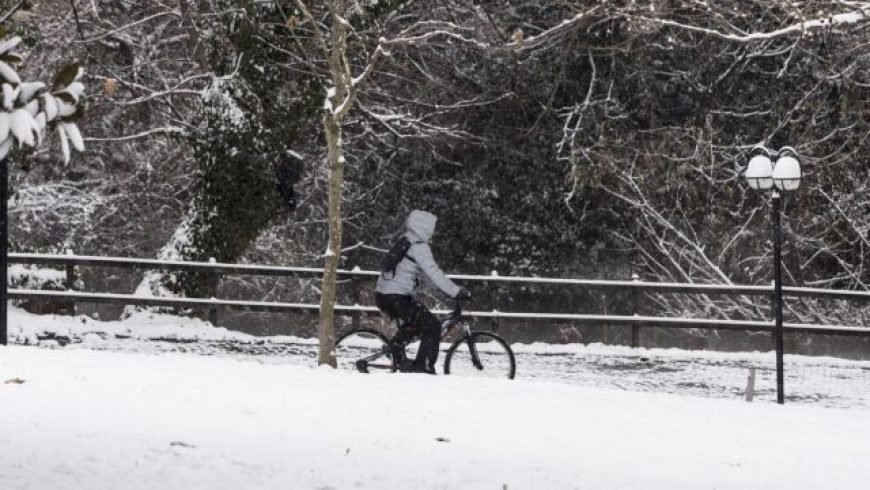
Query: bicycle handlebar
[457, 307]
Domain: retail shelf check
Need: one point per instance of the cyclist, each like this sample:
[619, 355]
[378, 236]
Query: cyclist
[396, 290]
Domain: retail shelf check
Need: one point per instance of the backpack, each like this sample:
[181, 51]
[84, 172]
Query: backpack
[288, 170]
[396, 254]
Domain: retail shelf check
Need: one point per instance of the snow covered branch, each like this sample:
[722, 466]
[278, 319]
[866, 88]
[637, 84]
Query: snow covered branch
[831, 21]
[125, 27]
[143, 134]
[553, 35]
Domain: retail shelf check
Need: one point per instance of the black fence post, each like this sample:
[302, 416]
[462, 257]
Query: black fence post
[213, 316]
[635, 304]
[71, 283]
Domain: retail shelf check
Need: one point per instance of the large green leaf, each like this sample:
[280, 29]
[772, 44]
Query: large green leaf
[66, 76]
[12, 58]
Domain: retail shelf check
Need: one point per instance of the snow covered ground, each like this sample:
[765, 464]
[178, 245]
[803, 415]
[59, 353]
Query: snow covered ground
[820, 381]
[85, 419]
[155, 401]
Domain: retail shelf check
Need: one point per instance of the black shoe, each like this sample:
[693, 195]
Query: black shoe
[416, 367]
[405, 366]
[362, 366]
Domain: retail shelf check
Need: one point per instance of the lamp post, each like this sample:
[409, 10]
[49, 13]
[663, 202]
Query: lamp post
[783, 175]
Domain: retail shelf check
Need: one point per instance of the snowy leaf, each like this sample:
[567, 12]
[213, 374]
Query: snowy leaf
[66, 97]
[32, 108]
[39, 127]
[41, 123]
[29, 90]
[64, 108]
[74, 135]
[76, 89]
[9, 95]
[64, 144]
[22, 126]
[9, 44]
[50, 106]
[8, 74]
[5, 147]
[72, 93]
[4, 125]
[67, 75]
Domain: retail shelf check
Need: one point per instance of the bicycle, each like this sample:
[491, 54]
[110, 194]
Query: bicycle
[475, 353]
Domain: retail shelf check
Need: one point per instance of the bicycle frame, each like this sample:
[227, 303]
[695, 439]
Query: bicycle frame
[454, 318]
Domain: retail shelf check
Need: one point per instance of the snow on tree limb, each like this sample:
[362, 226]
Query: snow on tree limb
[859, 13]
[11, 11]
[106, 34]
[143, 134]
[554, 34]
[800, 27]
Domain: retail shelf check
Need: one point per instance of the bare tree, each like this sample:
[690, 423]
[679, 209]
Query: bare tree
[340, 98]
[672, 98]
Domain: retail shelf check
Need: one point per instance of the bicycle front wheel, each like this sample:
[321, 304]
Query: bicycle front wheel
[366, 345]
[481, 354]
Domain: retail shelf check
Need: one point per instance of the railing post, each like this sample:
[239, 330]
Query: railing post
[494, 300]
[635, 328]
[71, 282]
[750, 385]
[213, 311]
[354, 288]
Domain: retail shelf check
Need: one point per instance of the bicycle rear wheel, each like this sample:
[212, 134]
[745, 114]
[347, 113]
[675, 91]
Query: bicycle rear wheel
[364, 344]
[481, 354]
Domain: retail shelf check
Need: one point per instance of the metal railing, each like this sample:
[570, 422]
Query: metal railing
[635, 287]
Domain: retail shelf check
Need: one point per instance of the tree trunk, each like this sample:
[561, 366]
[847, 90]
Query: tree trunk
[335, 162]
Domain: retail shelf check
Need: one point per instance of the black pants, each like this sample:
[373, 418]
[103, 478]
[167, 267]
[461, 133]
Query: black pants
[413, 319]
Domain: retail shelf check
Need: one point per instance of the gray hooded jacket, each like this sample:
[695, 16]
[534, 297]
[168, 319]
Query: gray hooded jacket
[419, 228]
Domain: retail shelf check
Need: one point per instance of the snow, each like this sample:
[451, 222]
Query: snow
[33, 277]
[825, 22]
[810, 380]
[100, 420]
[218, 99]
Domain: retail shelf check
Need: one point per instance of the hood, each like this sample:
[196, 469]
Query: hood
[421, 224]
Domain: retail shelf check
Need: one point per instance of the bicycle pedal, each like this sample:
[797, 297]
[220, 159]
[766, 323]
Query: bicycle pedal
[362, 366]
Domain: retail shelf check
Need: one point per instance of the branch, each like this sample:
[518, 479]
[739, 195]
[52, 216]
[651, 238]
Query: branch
[132, 24]
[833, 20]
[314, 27]
[11, 12]
[554, 33]
[166, 130]
[412, 40]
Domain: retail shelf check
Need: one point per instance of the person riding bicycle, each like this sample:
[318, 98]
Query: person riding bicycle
[396, 290]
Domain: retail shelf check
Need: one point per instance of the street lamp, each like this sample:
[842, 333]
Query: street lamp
[782, 175]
